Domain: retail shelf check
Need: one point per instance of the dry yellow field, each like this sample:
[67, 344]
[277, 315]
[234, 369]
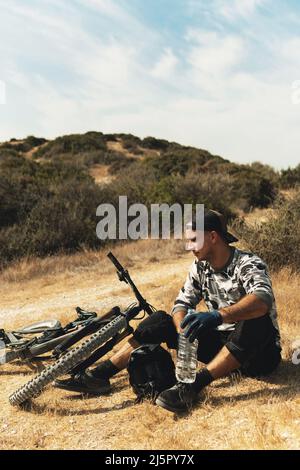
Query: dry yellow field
[235, 414]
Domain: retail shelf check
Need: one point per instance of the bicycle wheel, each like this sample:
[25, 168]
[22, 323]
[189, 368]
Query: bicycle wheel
[34, 387]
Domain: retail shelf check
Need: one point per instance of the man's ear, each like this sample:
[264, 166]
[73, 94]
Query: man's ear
[214, 236]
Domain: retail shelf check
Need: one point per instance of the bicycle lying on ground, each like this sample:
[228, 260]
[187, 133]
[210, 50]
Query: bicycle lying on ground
[102, 338]
[29, 344]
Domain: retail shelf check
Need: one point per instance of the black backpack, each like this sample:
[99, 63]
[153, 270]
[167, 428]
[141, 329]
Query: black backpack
[151, 370]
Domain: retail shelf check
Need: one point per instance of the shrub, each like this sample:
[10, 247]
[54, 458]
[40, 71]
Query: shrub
[177, 162]
[110, 137]
[155, 144]
[290, 178]
[28, 144]
[119, 165]
[46, 208]
[6, 152]
[250, 188]
[87, 159]
[131, 143]
[19, 188]
[266, 171]
[214, 191]
[73, 144]
[277, 240]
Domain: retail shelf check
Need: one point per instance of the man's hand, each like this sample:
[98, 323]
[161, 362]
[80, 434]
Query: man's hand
[197, 323]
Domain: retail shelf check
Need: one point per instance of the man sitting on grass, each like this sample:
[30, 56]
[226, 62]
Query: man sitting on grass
[239, 331]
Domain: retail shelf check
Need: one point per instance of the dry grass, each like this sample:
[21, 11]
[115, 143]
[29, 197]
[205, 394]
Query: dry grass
[86, 260]
[235, 414]
[100, 173]
[259, 216]
[117, 146]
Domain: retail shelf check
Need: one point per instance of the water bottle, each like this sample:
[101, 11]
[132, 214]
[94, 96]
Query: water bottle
[186, 365]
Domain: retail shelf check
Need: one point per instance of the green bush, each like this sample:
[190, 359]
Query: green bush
[141, 184]
[119, 165]
[277, 240]
[266, 171]
[155, 144]
[87, 159]
[250, 189]
[32, 141]
[7, 152]
[110, 137]
[73, 144]
[46, 208]
[177, 162]
[131, 143]
[28, 144]
[214, 191]
[290, 178]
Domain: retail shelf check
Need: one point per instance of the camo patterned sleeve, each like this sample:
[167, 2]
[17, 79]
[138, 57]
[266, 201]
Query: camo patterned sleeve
[255, 278]
[190, 294]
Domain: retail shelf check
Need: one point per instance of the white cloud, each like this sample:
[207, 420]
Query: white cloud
[166, 65]
[107, 7]
[213, 53]
[229, 10]
[237, 8]
[290, 49]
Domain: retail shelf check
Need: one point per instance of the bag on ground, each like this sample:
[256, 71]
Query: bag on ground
[151, 370]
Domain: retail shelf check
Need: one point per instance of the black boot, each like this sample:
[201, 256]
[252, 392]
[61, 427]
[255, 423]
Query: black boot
[85, 383]
[180, 398]
[183, 396]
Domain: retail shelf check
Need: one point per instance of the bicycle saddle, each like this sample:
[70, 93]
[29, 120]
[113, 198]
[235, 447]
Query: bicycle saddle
[40, 327]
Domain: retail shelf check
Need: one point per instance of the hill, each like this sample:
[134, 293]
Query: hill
[50, 189]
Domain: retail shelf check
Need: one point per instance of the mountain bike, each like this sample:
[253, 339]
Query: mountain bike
[30, 344]
[101, 339]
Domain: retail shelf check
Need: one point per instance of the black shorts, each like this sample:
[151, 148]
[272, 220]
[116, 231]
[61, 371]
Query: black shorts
[252, 342]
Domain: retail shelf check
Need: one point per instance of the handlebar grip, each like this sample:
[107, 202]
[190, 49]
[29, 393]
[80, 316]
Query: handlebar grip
[114, 260]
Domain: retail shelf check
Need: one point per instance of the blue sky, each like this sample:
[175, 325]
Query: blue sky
[217, 74]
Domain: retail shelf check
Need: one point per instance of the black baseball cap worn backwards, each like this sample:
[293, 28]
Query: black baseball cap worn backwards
[214, 221]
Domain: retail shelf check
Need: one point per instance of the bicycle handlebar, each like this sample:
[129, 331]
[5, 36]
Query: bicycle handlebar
[124, 275]
[114, 260]
[93, 325]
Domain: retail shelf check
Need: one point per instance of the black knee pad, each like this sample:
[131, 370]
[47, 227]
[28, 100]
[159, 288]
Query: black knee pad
[156, 329]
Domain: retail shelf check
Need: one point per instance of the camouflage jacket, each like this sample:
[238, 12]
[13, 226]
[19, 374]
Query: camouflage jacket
[244, 273]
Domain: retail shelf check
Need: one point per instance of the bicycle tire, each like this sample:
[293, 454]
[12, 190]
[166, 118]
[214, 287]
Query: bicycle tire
[35, 386]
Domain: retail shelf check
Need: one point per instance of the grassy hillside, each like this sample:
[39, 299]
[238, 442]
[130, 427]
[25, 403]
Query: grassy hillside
[49, 190]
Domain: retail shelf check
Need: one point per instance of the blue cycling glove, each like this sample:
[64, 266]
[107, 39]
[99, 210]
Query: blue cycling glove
[197, 323]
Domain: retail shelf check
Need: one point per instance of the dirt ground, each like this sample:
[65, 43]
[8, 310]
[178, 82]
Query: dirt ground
[234, 414]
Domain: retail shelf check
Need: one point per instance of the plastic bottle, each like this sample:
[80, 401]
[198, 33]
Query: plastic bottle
[186, 365]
